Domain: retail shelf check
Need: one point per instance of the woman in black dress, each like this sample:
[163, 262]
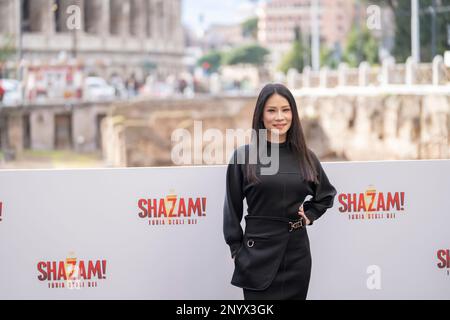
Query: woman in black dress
[272, 258]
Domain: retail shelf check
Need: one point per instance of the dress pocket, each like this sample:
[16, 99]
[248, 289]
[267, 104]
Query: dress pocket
[258, 260]
[251, 240]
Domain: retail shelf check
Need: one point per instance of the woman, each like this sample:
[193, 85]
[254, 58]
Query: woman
[272, 258]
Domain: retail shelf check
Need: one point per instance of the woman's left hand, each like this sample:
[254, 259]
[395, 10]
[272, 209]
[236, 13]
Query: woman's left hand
[301, 213]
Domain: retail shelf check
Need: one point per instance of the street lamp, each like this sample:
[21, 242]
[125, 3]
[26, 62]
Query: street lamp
[415, 31]
[315, 35]
[19, 40]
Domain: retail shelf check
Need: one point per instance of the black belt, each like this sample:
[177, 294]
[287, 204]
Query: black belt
[292, 224]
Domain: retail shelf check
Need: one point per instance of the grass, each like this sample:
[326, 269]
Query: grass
[56, 159]
[60, 156]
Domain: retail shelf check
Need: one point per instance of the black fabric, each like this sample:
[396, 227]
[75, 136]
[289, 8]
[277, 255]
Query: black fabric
[274, 257]
[291, 281]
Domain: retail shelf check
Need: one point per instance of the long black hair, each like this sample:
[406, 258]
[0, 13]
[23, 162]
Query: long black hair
[295, 139]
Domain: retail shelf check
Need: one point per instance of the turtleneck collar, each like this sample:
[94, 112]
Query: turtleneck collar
[280, 145]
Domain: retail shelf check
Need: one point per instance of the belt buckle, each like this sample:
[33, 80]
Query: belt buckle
[295, 225]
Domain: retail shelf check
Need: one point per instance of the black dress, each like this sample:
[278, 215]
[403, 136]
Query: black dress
[272, 260]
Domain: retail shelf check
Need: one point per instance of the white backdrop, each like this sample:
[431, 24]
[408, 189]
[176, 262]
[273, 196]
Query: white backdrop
[89, 219]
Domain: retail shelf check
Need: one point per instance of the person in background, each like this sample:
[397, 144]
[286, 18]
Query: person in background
[2, 92]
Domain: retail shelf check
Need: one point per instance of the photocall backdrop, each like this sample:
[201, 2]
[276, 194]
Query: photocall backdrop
[156, 233]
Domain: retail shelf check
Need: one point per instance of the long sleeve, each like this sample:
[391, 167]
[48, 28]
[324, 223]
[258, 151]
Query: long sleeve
[323, 196]
[233, 206]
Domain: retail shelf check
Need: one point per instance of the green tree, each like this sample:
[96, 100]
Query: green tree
[211, 61]
[426, 27]
[249, 54]
[6, 49]
[328, 58]
[361, 46]
[402, 12]
[250, 28]
[297, 57]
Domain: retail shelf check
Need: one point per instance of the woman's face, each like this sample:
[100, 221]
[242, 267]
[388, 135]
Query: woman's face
[277, 117]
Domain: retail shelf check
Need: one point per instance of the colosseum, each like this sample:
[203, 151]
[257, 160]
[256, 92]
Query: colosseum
[116, 36]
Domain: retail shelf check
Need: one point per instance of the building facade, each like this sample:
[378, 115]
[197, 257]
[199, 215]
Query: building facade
[278, 20]
[112, 36]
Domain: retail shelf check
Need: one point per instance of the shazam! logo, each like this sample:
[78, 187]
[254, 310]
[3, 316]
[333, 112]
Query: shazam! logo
[72, 273]
[372, 204]
[172, 210]
[443, 256]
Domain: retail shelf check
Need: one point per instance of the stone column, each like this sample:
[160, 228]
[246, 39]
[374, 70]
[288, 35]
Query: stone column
[438, 66]
[154, 19]
[3, 132]
[119, 15]
[323, 77]
[138, 18]
[39, 12]
[178, 32]
[386, 69]
[410, 68]
[149, 19]
[168, 22]
[342, 74]
[114, 16]
[126, 6]
[306, 76]
[106, 18]
[7, 14]
[160, 33]
[15, 133]
[42, 124]
[48, 17]
[363, 70]
[291, 78]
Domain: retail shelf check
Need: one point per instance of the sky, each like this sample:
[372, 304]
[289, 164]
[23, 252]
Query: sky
[214, 11]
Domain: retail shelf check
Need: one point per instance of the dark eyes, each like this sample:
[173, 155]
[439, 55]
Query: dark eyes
[273, 110]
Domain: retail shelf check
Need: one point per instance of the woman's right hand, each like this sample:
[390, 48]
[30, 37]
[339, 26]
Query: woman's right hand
[301, 213]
